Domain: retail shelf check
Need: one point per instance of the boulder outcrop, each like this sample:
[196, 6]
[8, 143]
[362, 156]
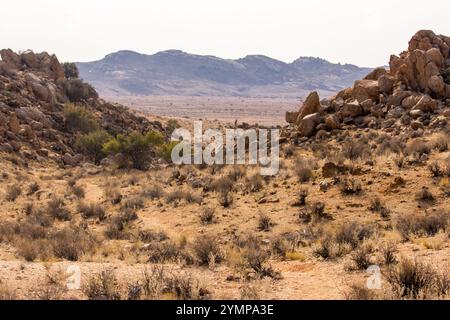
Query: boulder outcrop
[416, 85]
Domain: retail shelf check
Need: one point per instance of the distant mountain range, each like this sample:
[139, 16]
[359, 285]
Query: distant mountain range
[175, 72]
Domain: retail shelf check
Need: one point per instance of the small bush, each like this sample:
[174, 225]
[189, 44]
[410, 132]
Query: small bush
[207, 250]
[13, 192]
[254, 183]
[71, 243]
[178, 195]
[79, 119]
[136, 147]
[103, 286]
[153, 192]
[225, 199]
[388, 251]
[377, 206]
[57, 210]
[362, 257]
[314, 213]
[136, 202]
[77, 191]
[303, 169]
[351, 186]
[264, 222]
[412, 279]
[424, 195]
[207, 216]
[300, 199]
[418, 147]
[167, 251]
[71, 70]
[78, 91]
[354, 150]
[91, 144]
[440, 143]
[33, 188]
[223, 184]
[423, 224]
[92, 210]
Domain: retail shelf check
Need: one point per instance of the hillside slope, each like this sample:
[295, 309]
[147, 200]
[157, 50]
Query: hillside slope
[34, 91]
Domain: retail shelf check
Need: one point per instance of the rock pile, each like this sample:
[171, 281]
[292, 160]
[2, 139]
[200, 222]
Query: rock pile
[32, 97]
[413, 93]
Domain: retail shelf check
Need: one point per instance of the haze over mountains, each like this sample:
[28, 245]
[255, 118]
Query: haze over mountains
[175, 72]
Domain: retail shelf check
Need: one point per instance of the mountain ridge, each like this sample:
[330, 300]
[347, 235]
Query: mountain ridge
[175, 72]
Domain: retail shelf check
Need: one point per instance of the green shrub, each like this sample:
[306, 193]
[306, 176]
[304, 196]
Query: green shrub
[77, 91]
[91, 144]
[136, 147]
[71, 70]
[165, 151]
[79, 119]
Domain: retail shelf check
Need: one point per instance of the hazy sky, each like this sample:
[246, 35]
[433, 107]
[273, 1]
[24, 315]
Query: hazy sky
[363, 32]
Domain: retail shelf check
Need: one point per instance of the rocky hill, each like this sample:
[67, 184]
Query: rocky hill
[34, 91]
[175, 72]
[414, 93]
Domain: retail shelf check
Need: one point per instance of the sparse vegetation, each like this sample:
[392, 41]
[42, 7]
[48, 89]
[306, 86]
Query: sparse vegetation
[79, 119]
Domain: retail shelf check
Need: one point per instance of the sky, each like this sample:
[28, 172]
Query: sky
[361, 32]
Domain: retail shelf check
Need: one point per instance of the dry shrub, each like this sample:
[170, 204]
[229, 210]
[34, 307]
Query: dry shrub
[207, 250]
[388, 253]
[314, 212]
[412, 279]
[113, 194]
[187, 195]
[256, 257]
[417, 147]
[440, 142]
[223, 184]
[264, 222]
[78, 191]
[303, 169]
[352, 234]
[33, 188]
[425, 195]
[423, 224]
[117, 225]
[167, 251]
[225, 199]
[158, 283]
[103, 286]
[92, 210]
[6, 293]
[388, 145]
[153, 192]
[250, 291]
[32, 250]
[12, 192]
[351, 186]
[440, 169]
[300, 200]
[57, 210]
[207, 215]
[136, 202]
[360, 292]
[377, 206]
[150, 236]
[253, 183]
[354, 150]
[361, 257]
[327, 248]
[289, 151]
[54, 287]
[72, 242]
